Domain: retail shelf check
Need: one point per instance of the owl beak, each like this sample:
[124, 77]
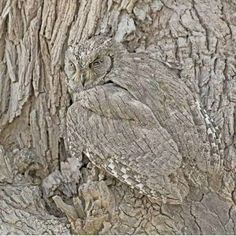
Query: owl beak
[80, 77]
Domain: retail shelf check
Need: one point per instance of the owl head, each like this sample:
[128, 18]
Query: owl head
[87, 64]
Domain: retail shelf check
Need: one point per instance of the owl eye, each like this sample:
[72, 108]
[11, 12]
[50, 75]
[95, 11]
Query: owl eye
[70, 66]
[101, 66]
[97, 62]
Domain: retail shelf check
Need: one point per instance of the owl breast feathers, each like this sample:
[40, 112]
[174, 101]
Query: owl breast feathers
[135, 119]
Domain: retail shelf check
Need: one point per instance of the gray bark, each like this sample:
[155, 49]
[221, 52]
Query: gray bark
[43, 188]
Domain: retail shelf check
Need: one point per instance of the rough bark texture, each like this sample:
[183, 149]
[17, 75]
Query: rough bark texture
[43, 188]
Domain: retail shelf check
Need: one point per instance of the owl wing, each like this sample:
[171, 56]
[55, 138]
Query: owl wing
[121, 135]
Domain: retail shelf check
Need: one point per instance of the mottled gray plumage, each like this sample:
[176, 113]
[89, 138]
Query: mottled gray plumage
[136, 119]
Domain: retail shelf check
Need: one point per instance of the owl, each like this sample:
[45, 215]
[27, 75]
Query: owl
[134, 118]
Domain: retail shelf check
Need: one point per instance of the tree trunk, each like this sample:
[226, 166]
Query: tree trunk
[43, 188]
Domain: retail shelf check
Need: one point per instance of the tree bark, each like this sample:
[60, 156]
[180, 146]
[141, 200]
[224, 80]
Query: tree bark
[42, 187]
